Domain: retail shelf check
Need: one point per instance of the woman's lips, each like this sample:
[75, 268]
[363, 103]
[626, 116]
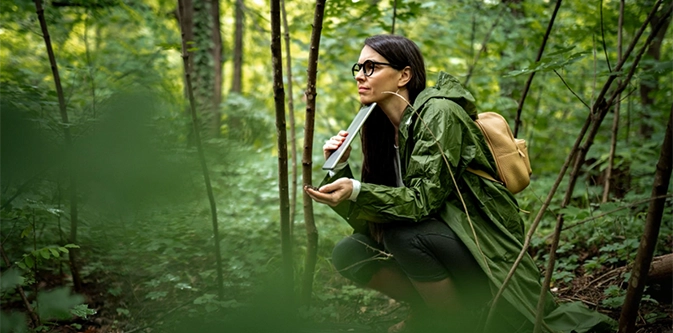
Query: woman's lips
[362, 89]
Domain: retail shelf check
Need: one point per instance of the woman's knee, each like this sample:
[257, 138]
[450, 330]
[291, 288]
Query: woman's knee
[355, 257]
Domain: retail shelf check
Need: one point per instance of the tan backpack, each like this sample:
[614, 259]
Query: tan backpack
[510, 154]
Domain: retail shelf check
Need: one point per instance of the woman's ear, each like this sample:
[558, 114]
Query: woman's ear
[405, 77]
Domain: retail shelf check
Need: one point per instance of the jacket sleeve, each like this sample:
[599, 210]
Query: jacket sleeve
[346, 208]
[428, 181]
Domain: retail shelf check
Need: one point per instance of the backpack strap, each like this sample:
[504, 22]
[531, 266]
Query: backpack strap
[483, 174]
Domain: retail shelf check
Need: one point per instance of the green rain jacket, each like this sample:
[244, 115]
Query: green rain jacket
[442, 127]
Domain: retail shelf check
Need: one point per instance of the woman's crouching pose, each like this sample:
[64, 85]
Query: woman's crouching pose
[426, 231]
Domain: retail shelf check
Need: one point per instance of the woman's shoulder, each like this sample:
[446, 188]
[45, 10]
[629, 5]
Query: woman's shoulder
[443, 108]
[447, 88]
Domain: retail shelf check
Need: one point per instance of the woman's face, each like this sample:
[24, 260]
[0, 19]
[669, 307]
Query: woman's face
[384, 78]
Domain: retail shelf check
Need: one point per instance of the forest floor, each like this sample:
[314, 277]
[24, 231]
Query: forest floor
[380, 312]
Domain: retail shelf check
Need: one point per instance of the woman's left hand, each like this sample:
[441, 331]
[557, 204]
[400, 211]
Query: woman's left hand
[332, 194]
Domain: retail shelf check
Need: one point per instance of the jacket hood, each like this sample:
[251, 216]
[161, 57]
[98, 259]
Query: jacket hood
[448, 87]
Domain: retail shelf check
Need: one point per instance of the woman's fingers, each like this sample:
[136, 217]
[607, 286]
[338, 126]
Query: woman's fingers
[331, 194]
[334, 143]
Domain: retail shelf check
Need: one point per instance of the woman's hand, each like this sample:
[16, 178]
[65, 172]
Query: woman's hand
[332, 194]
[334, 143]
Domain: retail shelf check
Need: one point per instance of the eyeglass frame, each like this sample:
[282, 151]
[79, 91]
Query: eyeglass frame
[361, 67]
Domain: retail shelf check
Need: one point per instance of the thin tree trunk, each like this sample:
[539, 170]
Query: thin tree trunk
[290, 105]
[89, 64]
[526, 88]
[570, 158]
[307, 163]
[649, 86]
[31, 313]
[615, 122]
[202, 158]
[483, 45]
[216, 53]
[202, 27]
[648, 241]
[76, 279]
[392, 30]
[237, 79]
[279, 101]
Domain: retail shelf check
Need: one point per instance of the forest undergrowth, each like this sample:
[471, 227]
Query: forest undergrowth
[153, 270]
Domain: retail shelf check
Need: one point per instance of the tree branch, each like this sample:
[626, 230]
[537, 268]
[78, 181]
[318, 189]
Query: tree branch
[526, 88]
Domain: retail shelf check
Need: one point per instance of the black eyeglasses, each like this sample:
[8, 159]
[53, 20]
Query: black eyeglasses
[368, 67]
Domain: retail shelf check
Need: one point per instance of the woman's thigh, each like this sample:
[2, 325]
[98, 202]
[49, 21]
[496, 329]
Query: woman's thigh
[431, 251]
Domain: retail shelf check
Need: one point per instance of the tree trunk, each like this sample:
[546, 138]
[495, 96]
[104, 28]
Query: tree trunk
[392, 30]
[648, 241]
[216, 52]
[661, 268]
[197, 140]
[615, 121]
[290, 105]
[76, 279]
[279, 101]
[236, 82]
[202, 26]
[647, 87]
[307, 163]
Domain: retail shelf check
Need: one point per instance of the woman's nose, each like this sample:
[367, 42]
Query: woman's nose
[360, 76]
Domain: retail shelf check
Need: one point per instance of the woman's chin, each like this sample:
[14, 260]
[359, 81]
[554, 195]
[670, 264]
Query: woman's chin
[365, 100]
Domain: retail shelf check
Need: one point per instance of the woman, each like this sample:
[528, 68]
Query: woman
[453, 235]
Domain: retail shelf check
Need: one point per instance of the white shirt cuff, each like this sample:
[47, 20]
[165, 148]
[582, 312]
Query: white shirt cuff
[337, 168]
[356, 190]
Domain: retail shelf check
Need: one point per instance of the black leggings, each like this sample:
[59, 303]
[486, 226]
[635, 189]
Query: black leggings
[426, 251]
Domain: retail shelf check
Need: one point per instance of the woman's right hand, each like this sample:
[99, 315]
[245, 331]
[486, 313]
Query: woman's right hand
[334, 143]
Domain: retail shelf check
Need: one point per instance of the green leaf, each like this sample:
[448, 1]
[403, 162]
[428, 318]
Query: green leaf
[10, 279]
[29, 261]
[71, 246]
[45, 253]
[116, 291]
[154, 295]
[82, 311]
[26, 232]
[54, 252]
[56, 304]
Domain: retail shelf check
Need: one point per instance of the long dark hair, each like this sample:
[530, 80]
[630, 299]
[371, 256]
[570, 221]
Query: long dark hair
[378, 133]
